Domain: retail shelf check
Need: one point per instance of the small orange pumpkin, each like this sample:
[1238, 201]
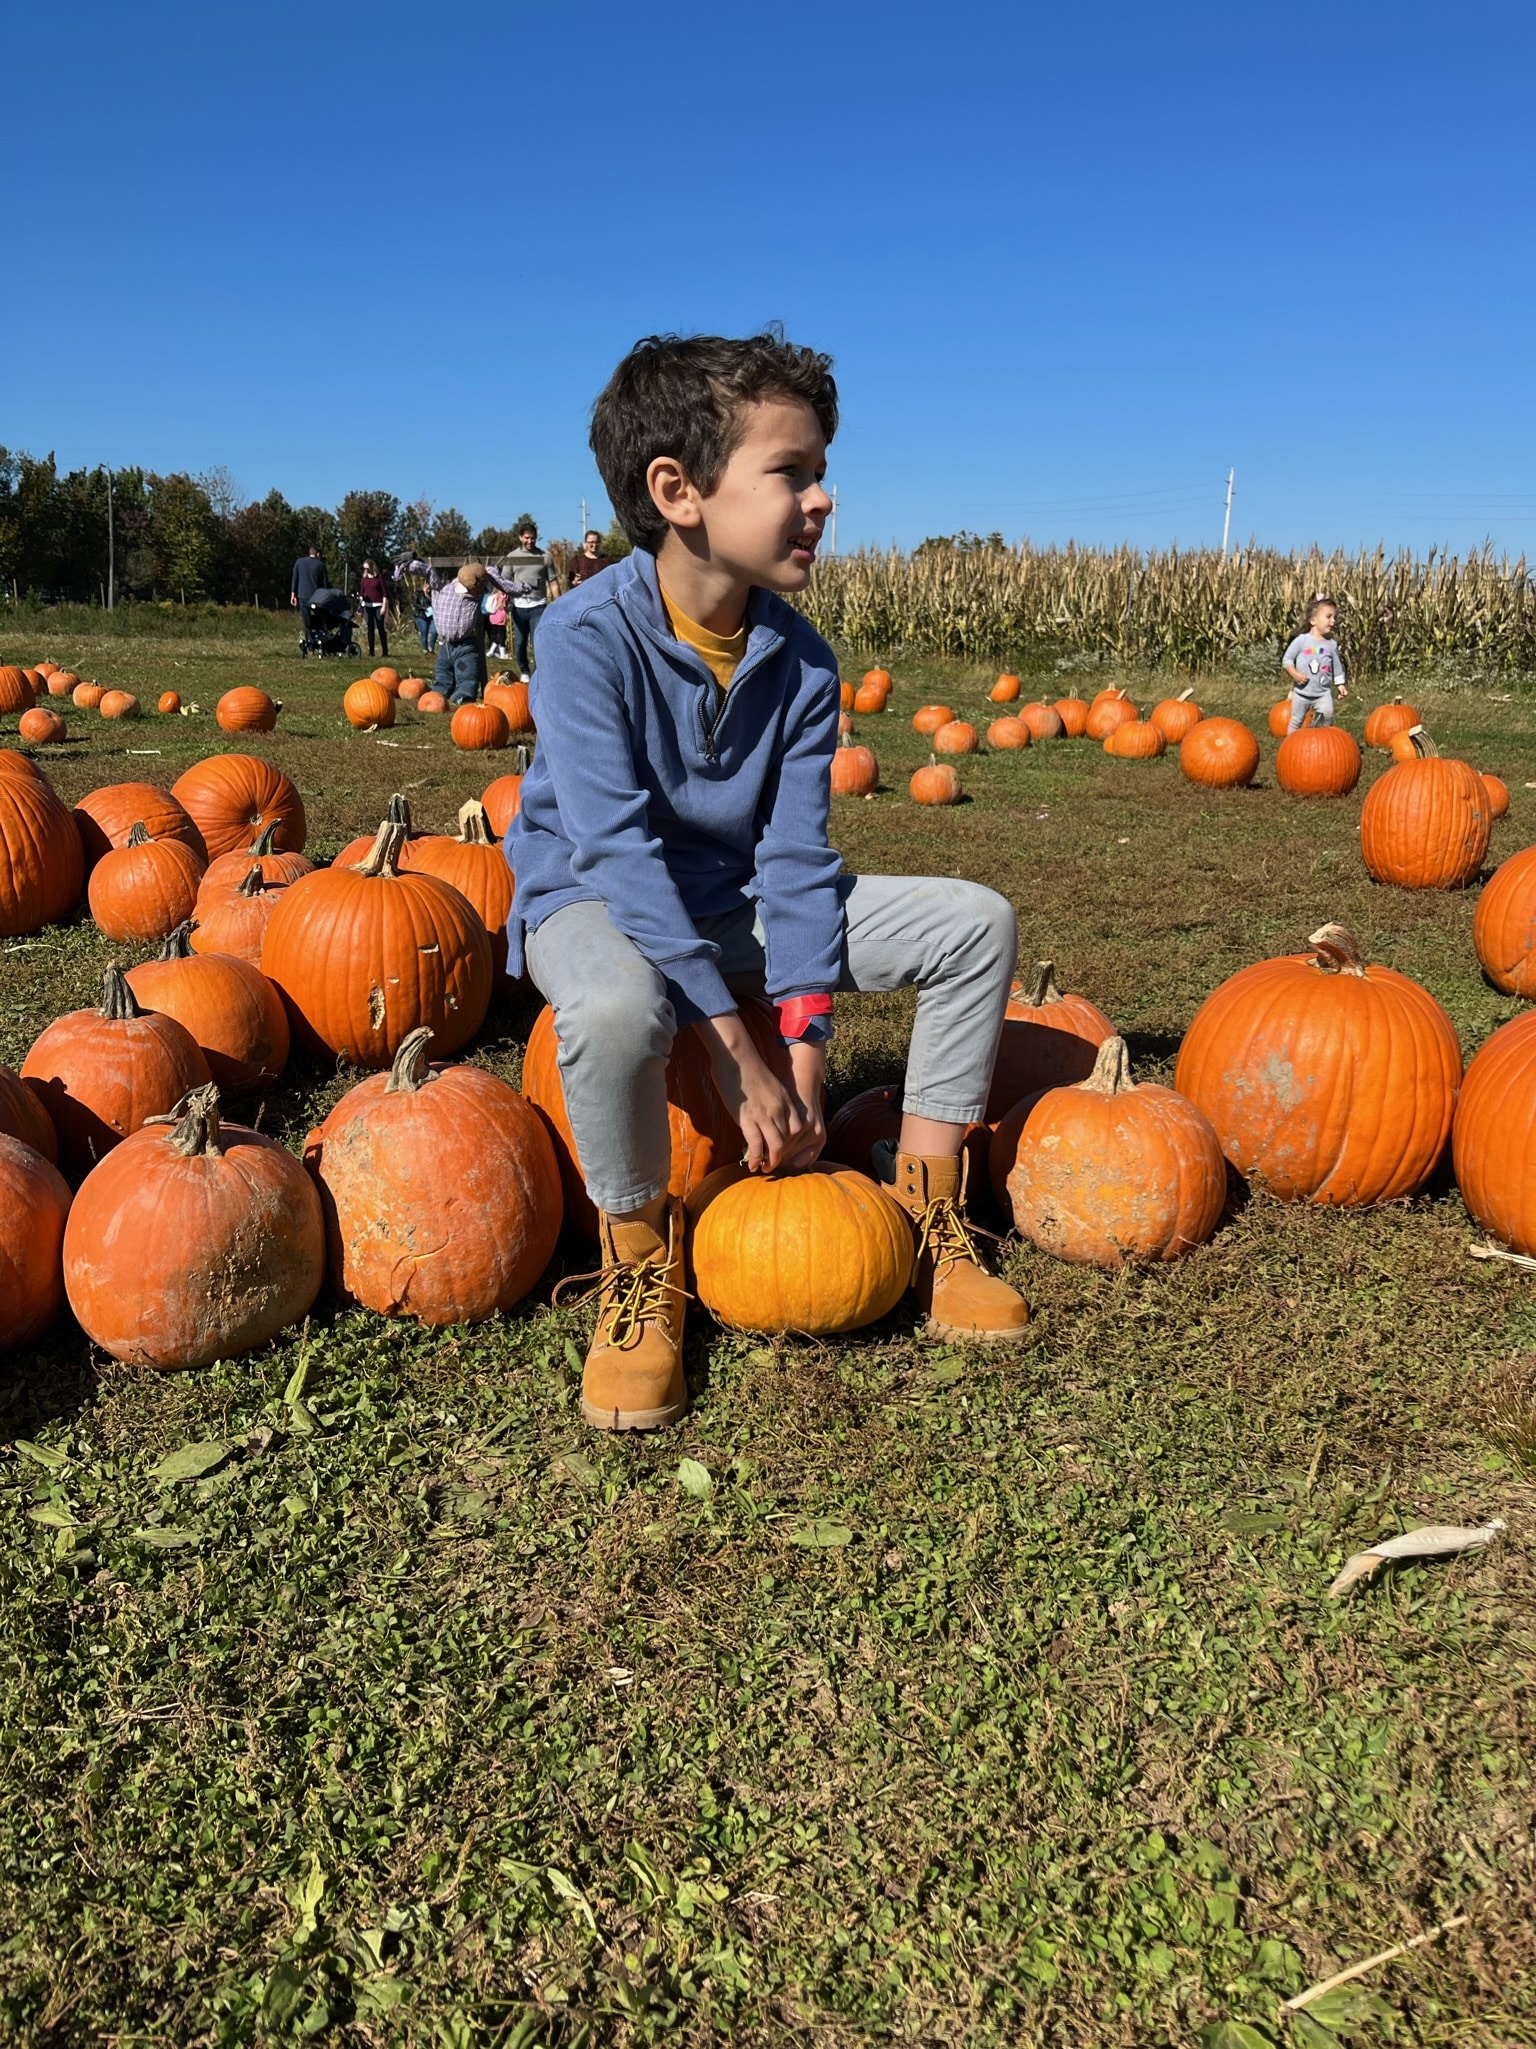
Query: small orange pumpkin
[1498, 793]
[367, 703]
[1073, 713]
[119, 704]
[170, 701]
[389, 678]
[1109, 709]
[1388, 719]
[869, 697]
[1136, 740]
[412, 689]
[1175, 715]
[959, 736]
[1280, 719]
[935, 784]
[880, 677]
[1007, 732]
[87, 695]
[431, 701]
[56, 682]
[846, 694]
[855, 772]
[476, 726]
[511, 700]
[1044, 722]
[44, 728]
[144, 889]
[247, 710]
[930, 717]
[503, 799]
[1005, 690]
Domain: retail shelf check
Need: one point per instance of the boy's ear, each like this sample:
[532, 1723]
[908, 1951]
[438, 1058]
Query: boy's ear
[673, 496]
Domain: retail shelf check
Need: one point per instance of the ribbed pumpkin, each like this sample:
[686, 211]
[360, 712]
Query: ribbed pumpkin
[1136, 740]
[34, 1201]
[366, 704]
[1048, 1039]
[929, 717]
[247, 710]
[1498, 794]
[1388, 719]
[1494, 1140]
[1504, 925]
[145, 889]
[475, 726]
[193, 1241]
[232, 917]
[703, 1132]
[412, 689]
[1327, 1079]
[1219, 754]
[230, 1008]
[869, 699]
[364, 955]
[474, 864]
[936, 784]
[230, 797]
[87, 696]
[821, 1252]
[1073, 713]
[431, 701]
[1109, 709]
[440, 1188]
[1044, 721]
[100, 1073]
[14, 762]
[41, 865]
[1280, 719]
[1112, 1170]
[1426, 823]
[169, 701]
[1007, 732]
[1005, 690]
[118, 704]
[1318, 761]
[105, 817]
[1175, 715]
[277, 869]
[15, 691]
[958, 737]
[511, 700]
[22, 1115]
[41, 727]
[855, 771]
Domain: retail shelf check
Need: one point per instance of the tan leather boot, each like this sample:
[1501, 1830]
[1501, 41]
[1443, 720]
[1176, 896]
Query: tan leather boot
[634, 1371]
[964, 1301]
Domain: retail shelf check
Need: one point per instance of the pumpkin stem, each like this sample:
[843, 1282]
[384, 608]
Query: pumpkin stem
[399, 813]
[178, 944]
[118, 1002]
[1423, 746]
[1337, 950]
[1042, 985]
[251, 882]
[1185, 695]
[137, 836]
[196, 1121]
[1111, 1074]
[383, 857]
[474, 826]
[410, 1067]
[265, 841]
[519, 761]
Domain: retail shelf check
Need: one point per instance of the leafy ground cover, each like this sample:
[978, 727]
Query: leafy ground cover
[356, 1691]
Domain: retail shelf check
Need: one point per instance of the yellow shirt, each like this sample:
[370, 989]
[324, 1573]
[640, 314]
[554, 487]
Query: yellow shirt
[721, 652]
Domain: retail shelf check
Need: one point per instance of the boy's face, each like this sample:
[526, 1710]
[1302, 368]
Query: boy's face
[764, 518]
[1322, 620]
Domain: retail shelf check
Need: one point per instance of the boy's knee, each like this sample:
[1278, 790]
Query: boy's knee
[985, 925]
[626, 1020]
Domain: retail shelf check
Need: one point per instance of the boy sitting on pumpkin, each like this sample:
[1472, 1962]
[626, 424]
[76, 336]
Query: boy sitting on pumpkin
[672, 849]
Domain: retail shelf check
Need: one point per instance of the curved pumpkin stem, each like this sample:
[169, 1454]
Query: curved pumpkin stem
[1423, 746]
[118, 1002]
[251, 882]
[383, 857]
[410, 1069]
[178, 944]
[1042, 986]
[1111, 1074]
[1337, 950]
[265, 841]
[196, 1122]
[474, 826]
[137, 835]
[1185, 695]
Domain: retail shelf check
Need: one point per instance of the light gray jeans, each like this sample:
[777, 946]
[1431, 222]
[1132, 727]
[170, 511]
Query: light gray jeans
[955, 942]
[1320, 704]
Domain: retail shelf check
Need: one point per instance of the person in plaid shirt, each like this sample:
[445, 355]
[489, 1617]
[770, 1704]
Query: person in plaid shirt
[460, 630]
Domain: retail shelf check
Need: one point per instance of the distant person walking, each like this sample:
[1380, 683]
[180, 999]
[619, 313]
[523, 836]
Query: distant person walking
[529, 566]
[589, 561]
[421, 607]
[461, 630]
[1313, 663]
[373, 591]
[309, 576]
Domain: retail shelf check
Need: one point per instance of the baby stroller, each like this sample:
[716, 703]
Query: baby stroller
[328, 626]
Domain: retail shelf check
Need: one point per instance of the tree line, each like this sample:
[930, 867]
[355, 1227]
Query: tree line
[199, 539]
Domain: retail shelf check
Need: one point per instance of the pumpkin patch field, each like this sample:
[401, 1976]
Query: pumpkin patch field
[352, 1689]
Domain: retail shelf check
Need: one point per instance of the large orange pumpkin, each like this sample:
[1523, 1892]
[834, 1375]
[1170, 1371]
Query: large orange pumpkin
[230, 1008]
[1328, 1079]
[145, 889]
[1318, 761]
[1494, 1139]
[16, 692]
[41, 727]
[511, 700]
[474, 864]
[1112, 1170]
[1048, 1039]
[1005, 690]
[34, 1200]
[1109, 709]
[366, 704]
[1044, 722]
[1136, 740]
[1219, 754]
[1073, 713]
[1388, 719]
[277, 868]
[958, 737]
[1175, 715]
[22, 1115]
[105, 817]
[193, 1241]
[232, 917]
[230, 797]
[936, 784]
[41, 865]
[1007, 732]
[1426, 823]
[247, 710]
[100, 1073]
[364, 955]
[704, 1133]
[929, 717]
[855, 771]
[822, 1251]
[440, 1188]
[1504, 925]
[475, 726]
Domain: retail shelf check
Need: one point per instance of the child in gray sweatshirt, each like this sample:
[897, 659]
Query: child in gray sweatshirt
[1314, 666]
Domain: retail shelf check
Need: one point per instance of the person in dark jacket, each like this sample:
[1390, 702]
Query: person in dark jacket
[309, 576]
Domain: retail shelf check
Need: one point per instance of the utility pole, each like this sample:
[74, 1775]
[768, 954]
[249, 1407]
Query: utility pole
[1226, 524]
[833, 522]
[111, 552]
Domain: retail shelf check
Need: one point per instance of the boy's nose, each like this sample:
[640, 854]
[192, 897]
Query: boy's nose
[817, 502]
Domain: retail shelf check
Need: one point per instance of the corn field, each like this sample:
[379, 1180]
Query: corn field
[1171, 610]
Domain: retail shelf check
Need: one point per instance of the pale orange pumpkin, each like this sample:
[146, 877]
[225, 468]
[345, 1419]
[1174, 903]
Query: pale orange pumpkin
[1008, 732]
[855, 772]
[118, 704]
[928, 719]
[935, 784]
[959, 736]
[1044, 722]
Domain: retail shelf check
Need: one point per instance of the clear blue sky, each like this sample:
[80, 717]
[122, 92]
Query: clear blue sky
[1072, 262]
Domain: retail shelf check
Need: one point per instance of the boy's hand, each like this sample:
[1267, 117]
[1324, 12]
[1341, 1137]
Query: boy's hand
[808, 1068]
[777, 1128]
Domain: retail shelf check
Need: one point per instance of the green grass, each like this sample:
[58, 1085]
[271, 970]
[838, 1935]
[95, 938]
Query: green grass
[954, 1700]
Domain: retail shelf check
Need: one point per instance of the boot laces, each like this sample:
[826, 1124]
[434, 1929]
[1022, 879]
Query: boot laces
[948, 1235]
[632, 1296]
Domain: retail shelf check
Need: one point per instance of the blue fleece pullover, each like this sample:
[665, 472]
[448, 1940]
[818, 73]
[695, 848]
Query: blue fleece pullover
[655, 794]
